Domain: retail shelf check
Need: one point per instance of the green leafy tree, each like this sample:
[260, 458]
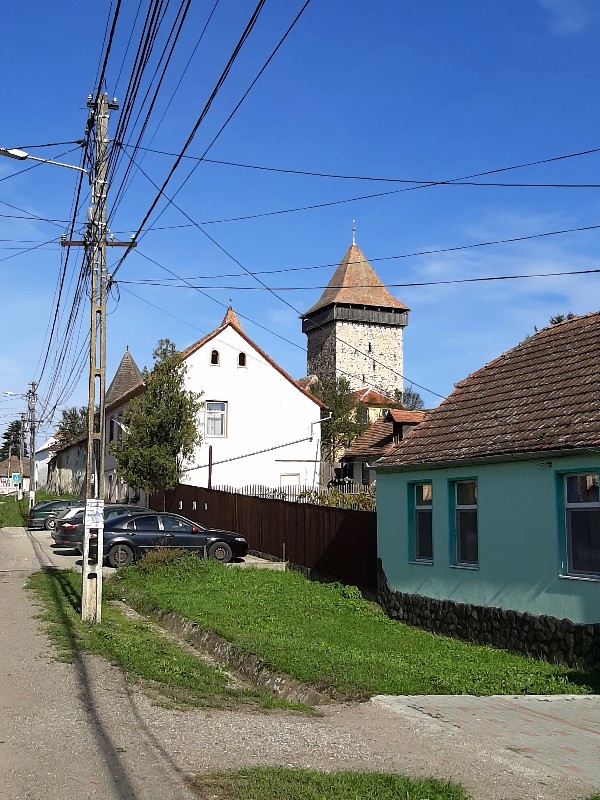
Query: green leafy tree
[73, 424]
[11, 439]
[346, 423]
[161, 426]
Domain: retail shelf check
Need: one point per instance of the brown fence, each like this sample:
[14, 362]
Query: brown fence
[331, 542]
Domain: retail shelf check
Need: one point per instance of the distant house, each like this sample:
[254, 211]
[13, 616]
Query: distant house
[67, 468]
[373, 403]
[489, 511]
[378, 440]
[10, 467]
[42, 458]
[259, 425]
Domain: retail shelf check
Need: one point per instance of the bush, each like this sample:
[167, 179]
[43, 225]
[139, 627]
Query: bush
[162, 557]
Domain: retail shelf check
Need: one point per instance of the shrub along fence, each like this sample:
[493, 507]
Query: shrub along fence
[327, 543]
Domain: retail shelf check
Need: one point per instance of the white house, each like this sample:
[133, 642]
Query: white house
[42, 457]
[259, 426]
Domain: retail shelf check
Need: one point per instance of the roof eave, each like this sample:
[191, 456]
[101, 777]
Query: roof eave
[532, 455]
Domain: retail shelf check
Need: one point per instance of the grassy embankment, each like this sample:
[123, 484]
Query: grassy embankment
[170, 674]
[329, 637]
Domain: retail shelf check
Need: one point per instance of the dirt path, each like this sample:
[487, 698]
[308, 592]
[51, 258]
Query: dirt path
[79, 731]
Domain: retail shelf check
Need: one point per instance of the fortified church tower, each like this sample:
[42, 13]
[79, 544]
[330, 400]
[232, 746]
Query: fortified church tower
[355, 329]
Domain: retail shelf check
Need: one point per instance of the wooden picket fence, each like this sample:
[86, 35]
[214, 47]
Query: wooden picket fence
[329, 543]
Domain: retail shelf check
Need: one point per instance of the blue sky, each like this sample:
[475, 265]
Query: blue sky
[418, 91]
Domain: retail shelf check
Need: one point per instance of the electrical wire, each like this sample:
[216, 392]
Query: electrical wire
[425, 182]
[407, 285]
[249, 27]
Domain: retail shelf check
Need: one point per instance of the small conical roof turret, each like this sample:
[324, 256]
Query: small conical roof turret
[126, 377]
[231, 317]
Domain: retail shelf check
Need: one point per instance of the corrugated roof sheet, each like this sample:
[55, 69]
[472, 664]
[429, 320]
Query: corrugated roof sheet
[542, 395]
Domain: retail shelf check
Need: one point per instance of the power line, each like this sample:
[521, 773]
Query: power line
[149, 282]
[249, 27]
[414, 254]
[423, 181]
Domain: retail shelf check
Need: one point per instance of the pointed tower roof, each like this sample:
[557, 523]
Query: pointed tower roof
[355, 283]
[231, 317]
[126, 377]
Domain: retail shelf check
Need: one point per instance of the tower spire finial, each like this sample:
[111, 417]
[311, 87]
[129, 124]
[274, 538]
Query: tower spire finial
[353, 231]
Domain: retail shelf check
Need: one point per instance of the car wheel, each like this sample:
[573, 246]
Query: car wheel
[49, 524]
[220, 551]
[120, 556]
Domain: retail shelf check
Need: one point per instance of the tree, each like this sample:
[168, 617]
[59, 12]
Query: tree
[11, 439]
[412, 400]
[558, 318]
[73, 424]
[161, 426]
[346, 422]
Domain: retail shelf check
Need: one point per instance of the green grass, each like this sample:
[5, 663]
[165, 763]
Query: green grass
[13, 512]
[275, 783]
[165, 670]
[329, 637]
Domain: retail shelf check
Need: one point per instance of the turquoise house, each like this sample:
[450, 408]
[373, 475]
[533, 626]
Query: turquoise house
[490, 509]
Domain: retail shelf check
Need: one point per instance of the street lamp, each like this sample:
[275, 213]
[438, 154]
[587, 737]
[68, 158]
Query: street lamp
[21, 155]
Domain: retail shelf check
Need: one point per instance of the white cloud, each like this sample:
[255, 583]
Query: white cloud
[566, 17]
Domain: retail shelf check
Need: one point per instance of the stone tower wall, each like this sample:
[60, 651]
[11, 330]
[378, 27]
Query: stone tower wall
[382, 348]
[332, 353]
[320, 358]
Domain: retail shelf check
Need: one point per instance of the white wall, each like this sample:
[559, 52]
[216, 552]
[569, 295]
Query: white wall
[264, 410]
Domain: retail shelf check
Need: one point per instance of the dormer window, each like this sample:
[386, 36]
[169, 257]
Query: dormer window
[242, 360]
[214, 358]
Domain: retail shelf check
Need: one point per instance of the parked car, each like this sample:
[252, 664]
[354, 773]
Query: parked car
[68, 528]
[44, 516]
[127, 538]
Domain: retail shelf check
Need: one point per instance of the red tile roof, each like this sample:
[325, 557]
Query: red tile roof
[7, 469]
[374, 442]
[355, 283]
[378, 439]
[370, 397]
[400, 415]
[543, 395]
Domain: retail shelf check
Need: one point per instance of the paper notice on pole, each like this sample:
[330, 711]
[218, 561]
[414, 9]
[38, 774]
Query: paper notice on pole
[94, 513]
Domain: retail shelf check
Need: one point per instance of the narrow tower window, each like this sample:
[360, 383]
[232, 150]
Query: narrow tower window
[242, 360]
[214, 358]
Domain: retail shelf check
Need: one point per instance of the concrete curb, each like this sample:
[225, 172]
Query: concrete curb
[247, 665]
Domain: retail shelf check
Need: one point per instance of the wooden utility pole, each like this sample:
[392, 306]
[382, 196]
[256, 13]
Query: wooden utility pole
[95, 244]
[31, 403]
[21, 449]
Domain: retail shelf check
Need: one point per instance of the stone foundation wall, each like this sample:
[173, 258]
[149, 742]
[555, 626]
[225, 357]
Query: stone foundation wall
[558, 641]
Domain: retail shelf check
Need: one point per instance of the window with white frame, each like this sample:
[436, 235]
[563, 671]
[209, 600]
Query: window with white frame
[215, 412]
[423, 528]
[465, 522]
[582, 510]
